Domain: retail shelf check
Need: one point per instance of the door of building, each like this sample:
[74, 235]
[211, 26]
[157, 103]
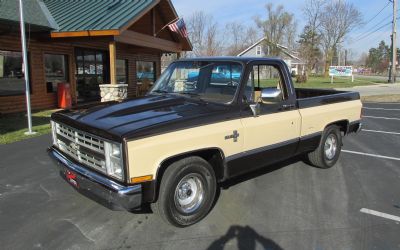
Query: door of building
[92, 68]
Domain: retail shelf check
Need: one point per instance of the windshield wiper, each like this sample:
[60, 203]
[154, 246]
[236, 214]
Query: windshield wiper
[191, 94]
[160, 91]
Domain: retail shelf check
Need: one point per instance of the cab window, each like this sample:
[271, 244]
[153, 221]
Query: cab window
[265, 77]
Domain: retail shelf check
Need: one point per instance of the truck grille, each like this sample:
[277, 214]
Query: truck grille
[83, 147]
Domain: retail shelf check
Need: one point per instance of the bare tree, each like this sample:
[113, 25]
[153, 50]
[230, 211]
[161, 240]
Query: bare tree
[278, 27]
[238, 37]
[310, 38]
[204, 35]
[338, 19]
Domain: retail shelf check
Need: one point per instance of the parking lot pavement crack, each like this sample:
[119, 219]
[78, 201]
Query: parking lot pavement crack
[46, 191]
[84, 234]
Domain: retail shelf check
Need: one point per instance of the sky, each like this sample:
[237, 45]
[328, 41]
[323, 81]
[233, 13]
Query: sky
[360, 40]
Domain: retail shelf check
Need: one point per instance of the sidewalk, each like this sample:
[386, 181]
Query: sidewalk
[379, 89]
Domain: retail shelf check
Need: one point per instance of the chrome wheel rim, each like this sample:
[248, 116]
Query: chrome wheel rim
[330, 146]
[189, 193]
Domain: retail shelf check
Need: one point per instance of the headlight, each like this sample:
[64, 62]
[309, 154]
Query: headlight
[113, 156]
[54, 132]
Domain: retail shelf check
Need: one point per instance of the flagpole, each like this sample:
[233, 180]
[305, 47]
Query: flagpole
[167, 25]
[26, 73]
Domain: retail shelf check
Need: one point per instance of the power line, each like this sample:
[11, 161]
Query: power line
[378, 13]
[372, 32]
[373, 27]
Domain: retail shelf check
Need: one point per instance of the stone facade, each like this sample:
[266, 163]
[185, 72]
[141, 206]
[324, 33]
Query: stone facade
[113, 92]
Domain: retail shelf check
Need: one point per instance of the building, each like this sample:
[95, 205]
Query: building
[261, 49]
[88, 44]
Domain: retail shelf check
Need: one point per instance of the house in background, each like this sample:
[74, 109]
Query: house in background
[291, 58]
[88, 44]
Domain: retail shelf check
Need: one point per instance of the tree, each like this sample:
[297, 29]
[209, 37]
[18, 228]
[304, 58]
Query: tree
[378, 58]
[278, 27]
[309, 48]
[203, 34]
[310, 38]
[238, 37]
[337, 20]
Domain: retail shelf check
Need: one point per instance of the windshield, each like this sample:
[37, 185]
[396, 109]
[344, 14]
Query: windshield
[209, 81]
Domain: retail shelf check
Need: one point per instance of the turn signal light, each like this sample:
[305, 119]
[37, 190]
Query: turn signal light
[142, 179]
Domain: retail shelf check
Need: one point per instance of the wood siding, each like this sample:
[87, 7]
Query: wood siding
[37, 47]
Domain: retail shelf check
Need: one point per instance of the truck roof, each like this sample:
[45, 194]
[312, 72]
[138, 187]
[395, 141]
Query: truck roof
[231, 58]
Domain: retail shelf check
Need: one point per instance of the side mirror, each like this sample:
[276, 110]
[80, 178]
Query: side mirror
[271, 94]
[255, 108]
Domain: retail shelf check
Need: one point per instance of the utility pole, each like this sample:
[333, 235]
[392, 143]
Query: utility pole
[26, 73]
[394, 48]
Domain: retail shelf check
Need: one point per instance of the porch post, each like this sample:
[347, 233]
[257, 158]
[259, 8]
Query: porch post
[113, 91]
[113, 60]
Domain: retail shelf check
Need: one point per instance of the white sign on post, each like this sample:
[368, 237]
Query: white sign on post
[341, 71]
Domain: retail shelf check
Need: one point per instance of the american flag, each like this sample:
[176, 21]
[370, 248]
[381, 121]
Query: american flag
[179, 27]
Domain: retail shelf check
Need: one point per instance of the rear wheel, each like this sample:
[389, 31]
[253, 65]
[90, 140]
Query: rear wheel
[187, 192]
[328, 151]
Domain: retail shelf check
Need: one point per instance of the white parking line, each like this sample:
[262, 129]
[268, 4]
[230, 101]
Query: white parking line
[381, 109]
[380, 214]
[379, 117]
[383, 103]
[372, 155]
[378, 131]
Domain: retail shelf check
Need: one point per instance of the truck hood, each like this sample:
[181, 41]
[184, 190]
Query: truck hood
[143, 116]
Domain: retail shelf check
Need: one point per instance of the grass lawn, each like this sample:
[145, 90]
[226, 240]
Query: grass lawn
[325, 82]
[13, 126]
[340, 82]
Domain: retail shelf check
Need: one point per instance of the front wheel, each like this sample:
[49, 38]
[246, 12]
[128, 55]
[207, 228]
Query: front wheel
[187, 192]
[328, 151]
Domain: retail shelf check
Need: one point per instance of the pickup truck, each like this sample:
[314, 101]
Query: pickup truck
[174, 147]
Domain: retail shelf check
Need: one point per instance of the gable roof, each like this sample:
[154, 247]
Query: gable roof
[284, 49]
[83, 15]
[35, 14]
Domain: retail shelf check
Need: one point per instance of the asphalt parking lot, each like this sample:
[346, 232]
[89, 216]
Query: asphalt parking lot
[354, 205]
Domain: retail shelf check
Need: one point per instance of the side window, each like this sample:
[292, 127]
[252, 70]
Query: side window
[265, 77]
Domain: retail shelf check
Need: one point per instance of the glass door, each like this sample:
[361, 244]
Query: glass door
[91, 70]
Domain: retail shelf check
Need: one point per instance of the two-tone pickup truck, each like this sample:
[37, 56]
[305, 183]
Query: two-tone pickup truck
[173, 147]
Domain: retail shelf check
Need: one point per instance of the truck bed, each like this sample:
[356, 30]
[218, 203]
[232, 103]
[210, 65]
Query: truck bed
[313, 97]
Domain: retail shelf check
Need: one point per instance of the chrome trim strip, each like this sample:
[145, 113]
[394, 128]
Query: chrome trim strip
[114, 186]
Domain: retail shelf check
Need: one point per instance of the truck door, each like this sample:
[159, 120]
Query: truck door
[274, 134]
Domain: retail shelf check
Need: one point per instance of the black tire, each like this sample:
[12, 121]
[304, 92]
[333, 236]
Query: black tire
[320, 158]
[192, 170]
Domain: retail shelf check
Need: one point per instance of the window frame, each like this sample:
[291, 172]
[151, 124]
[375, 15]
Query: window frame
[291, 98]
[29, 74]
[126, 65]
[154, 73]
[235, 100]
[66, 65]
[258, 50]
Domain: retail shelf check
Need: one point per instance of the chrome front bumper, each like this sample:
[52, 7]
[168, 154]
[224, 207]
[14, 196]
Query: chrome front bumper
[102, 189]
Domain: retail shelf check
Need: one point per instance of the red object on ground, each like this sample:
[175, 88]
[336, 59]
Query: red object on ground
[64, 95]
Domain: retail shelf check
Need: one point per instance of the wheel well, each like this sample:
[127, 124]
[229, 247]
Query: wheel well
[214, 156]
[343, 125]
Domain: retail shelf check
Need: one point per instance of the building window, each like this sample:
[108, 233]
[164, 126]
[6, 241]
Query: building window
[92, 69]
[258, 50]
[56, 71]
[122, 72]
[12, 80]
[145, 72]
